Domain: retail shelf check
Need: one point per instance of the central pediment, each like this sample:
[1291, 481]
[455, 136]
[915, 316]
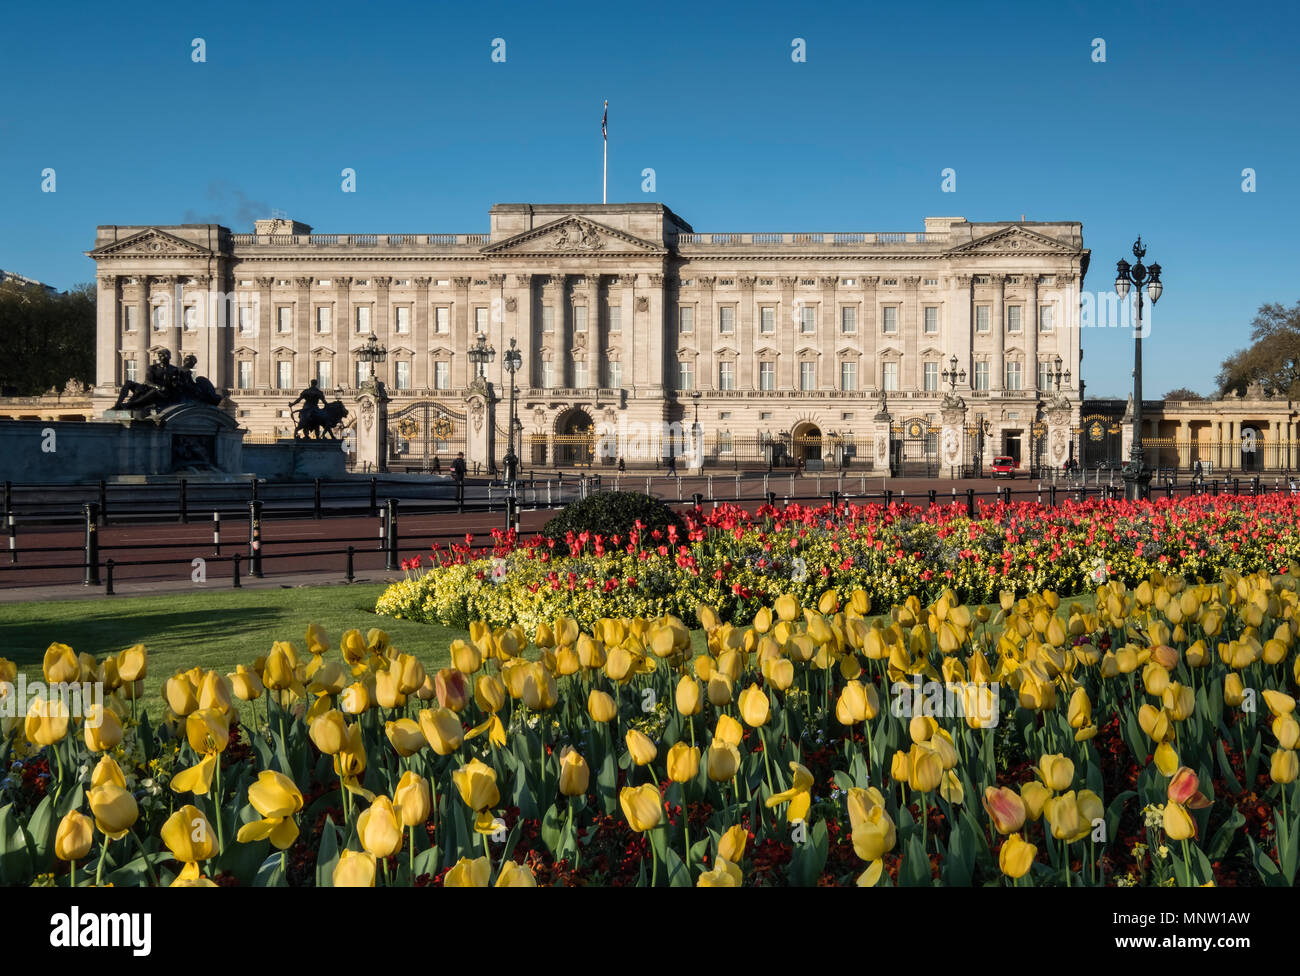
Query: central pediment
[150, 243]
[1015, 240]
[573, 235]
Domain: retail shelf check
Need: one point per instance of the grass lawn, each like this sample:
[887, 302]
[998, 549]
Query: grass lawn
[212, 630]
[220, 629]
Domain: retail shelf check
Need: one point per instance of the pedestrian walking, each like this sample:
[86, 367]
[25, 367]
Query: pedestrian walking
[1199, 472]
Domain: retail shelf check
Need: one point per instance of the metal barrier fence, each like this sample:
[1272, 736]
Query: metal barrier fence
[255, 546]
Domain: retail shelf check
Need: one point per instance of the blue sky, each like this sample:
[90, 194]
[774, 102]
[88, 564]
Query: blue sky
[1152, 141]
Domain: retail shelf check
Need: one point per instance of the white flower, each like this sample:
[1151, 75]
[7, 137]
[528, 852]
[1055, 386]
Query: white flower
[798, 569]
[498, 570]
[1099, 574]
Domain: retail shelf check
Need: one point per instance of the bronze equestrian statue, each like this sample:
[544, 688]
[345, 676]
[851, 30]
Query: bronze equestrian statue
[317, 416]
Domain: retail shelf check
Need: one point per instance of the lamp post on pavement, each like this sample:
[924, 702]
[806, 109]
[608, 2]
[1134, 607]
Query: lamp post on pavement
[1136, 475]
[512, 360]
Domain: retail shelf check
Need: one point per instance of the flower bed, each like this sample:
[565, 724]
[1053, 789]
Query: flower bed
[1148, 740]
[737, 562]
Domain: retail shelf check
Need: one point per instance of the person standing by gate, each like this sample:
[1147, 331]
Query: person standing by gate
[458, 474]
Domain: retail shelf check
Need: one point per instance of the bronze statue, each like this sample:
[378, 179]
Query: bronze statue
[317, 416]
[160, 387]
[197, 387]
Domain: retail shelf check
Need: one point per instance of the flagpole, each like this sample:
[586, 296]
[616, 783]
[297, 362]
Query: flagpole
[604, 138]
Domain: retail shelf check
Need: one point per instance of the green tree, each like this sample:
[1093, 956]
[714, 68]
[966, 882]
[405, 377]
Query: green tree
[1183, 393]
[1273, 357]
[49, 338]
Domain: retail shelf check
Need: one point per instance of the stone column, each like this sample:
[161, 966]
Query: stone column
[998, 326]
[909, 326]
[265, 333]
[302, 330]
[480, 426]
[656, 328]
[869, 368]
[380, 320]
[144, 337]
[881, 425]
[595, 336]
[1059, 417]
[958, 328]
[745, 334]
[952, 437]
[521, 306]
[107, 331]
[1031, 330]
[343, 329]
[421, 380]
[828, 334]
[706, 335]
[556, 344]
[787, 332]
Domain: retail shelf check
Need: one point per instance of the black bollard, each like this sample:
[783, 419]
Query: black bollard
[182, 501]
[91, 512]
[103, 502]
[835, 500]
[698, 498]
[255, 539]
[889, 497]
[349, 576]
[932, 498]
[771, 499]
[1236, 486]
[390, 536]
[234, 563]
[1051, 495]
[13, 538]
[108, 578]
[316, 501]
[374, 501]
[216, 533]
[970, 502]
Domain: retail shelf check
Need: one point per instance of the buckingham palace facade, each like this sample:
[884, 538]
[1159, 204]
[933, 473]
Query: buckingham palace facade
[623, 314]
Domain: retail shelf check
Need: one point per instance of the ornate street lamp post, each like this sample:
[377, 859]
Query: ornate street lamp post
[952, 376]
[512, 360]
[480, 354]
[1057, 375]
[1136, 474]
[696, 440]
[372, 352]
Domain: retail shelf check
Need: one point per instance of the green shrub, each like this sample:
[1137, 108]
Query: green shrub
[613, 513]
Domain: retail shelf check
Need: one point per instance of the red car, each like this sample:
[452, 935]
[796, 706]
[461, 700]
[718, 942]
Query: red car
[1004, 466]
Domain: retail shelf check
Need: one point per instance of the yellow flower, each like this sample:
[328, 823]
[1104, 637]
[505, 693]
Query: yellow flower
[73, 838]
[723, 761]
[731, 845]
[724, 874]
[61, 664]
[688, 696]
[379, 829]
[329, 732]
[355, 869]
[639, 746]
[799, 795]
[728, 730]
[412, 799]
[1178, 823]
[1284, 766]
[875, 836]
[477, 784]
[47, 721]
[601, 706]
[925, 768]
[642, 806]
[467, 873]
[103, 731]
[575, 774]
[515, 876]
[132, 664]
[277, 799]
[442, 729]
[755, 709]
[405, 736]
[114, 809]
[1056, 771]
[1016, 857]
[189, 836]
[683, 763]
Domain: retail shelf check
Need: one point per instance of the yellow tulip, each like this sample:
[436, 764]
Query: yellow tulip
[350, 760]
[47, 721]
[442, 729]
[61, 664]
[723, 874]
[182, 697]
[379, 829]
[683, 762]
[1179, 701]
[539, 689]
[642, 806]
[925, 768]
[724, 761]
[132, 664]
[900, 767]
[515, 876]
[477, 783]
[755, 709]
[189, 836]
[786, 607]
[601, 706]
[489, 693]
[1279, 703]
[355, 698]
[114, 810]
[207, 731]
[277, 799]
[328, 732]
[1035, 796]
[575, 774]
[405, 736]
[728, 730]
[465, 657]
[1062, 813]
[1016, 857]
[874, 837]
[1178, 823]
[355, 869]
[688, 696]
[799, 795]
[1284, 766]
[73, 839]
[102, 730]
[857, 703]
[731, 845]
[780, 673]
[412, 799]
[719, 690]
[1056, 771]
[388, 689]
[1006, 809]
[641, 749]
[245, 684]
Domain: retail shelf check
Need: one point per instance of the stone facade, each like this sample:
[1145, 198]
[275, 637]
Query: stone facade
[622, 313]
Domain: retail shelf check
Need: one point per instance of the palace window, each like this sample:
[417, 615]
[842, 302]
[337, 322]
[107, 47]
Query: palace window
[808, 319]
[129, 369]
[1013, 376]
[1045, 379]
[548, 374]
[580, 374]
[931, 377]
[402, 319]
[848, 320]
[686, 319]
[807, 376]
[767, 320]
[1013, 318]
[480, 319]
[889, 319]
[726, 376]
[889, 281]
[283, 374]
[548, 318]
[244, 376]
[1046, 320]
[848, 377]
[159, 318]
[323, 319]
[191, 318]
[362, 373]
[442, 375]
[685, 375]
[727, 319]
[130, 318]
[931, 282]
[580, 318]
[724, 442]
[284, 318]
[767, 376]
[930, 315]
[981, 318]
[442, 320]
[981, 381]
[615, 375]
[616, 318]
[403, 375]
[324, 374]
[247, 325]
[889, 377]
[363, 318]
